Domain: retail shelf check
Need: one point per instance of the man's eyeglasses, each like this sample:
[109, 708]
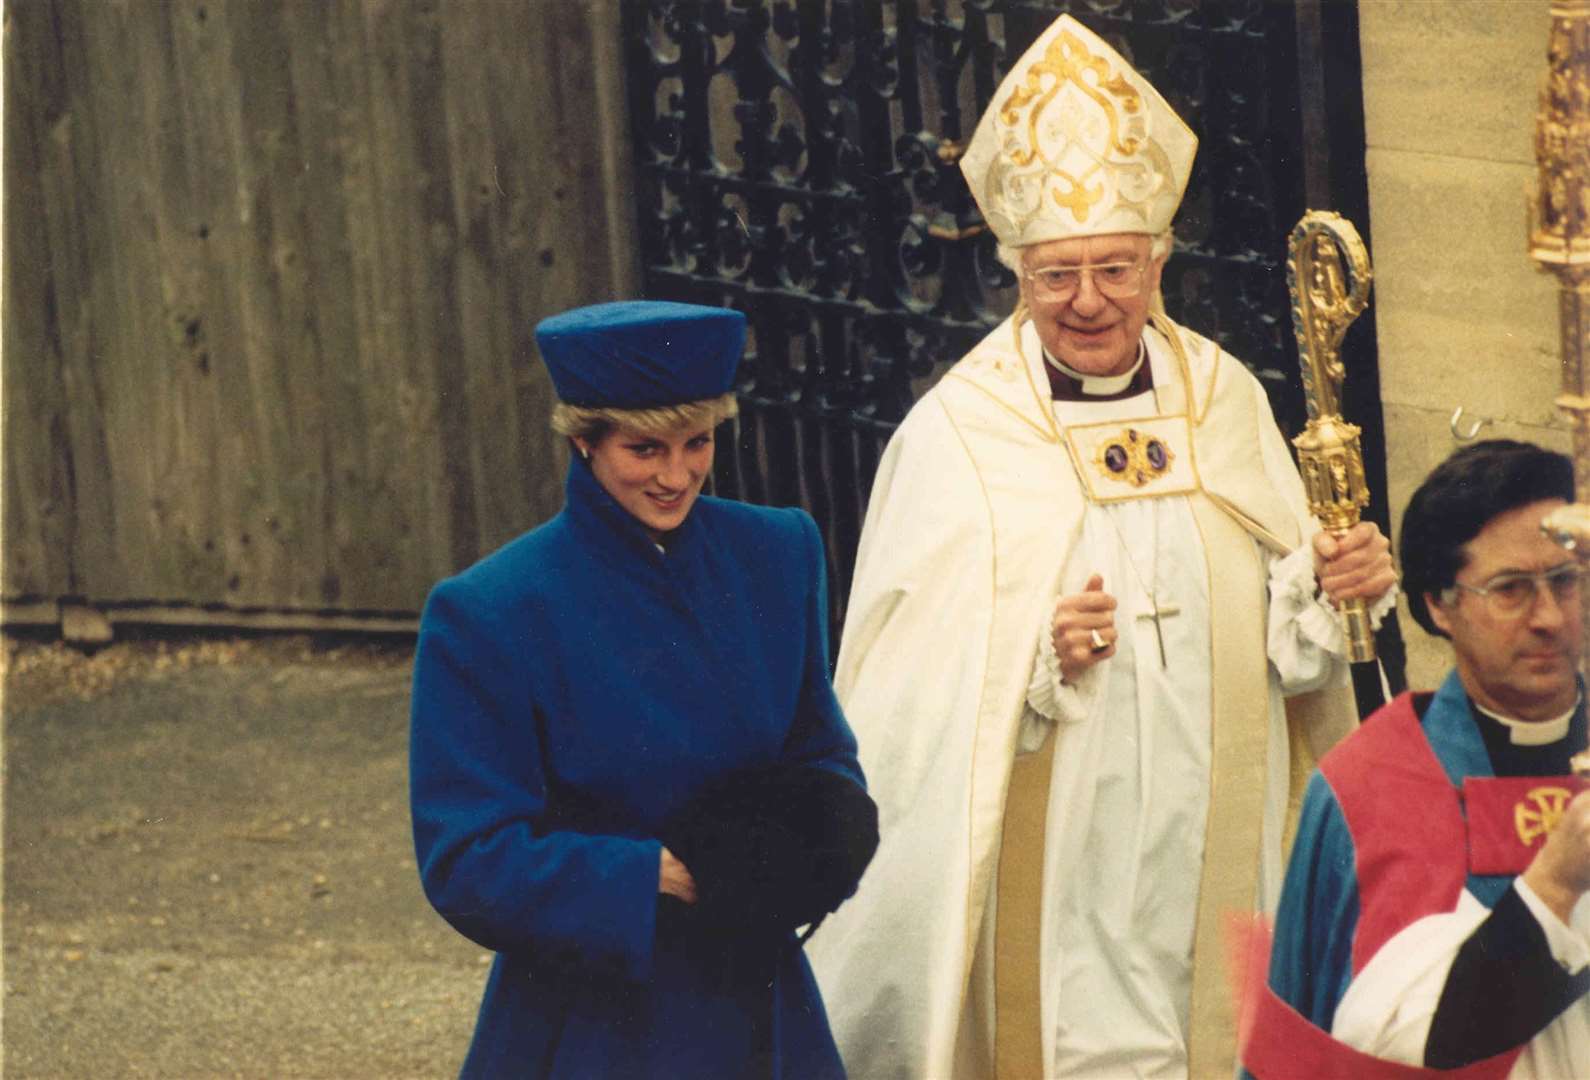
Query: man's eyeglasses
[1117, 280]
[1511, 594]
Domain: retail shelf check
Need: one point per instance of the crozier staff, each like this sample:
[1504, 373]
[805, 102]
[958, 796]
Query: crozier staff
[630, 777]
[1087, 581]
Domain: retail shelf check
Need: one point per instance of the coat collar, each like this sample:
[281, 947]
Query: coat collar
[605, 526]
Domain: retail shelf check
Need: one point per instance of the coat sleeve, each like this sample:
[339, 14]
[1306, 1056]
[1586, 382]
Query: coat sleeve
[479, 800]
[819, 734]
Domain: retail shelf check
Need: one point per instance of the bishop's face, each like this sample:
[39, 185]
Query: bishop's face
[1089, 298]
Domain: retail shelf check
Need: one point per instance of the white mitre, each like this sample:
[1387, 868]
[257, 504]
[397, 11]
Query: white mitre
[1076, 143]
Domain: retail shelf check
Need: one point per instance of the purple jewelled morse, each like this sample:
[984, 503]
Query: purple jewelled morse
[1115, 458]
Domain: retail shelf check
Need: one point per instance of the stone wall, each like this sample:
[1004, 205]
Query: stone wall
[1463, 317]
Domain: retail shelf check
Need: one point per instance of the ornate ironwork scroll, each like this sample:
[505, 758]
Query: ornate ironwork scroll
[797, 159]
[1326, 297]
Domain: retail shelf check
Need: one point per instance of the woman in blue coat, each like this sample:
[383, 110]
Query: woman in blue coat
[580, 692]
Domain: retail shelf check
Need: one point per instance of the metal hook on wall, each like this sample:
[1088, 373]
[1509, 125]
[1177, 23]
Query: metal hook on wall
[1474, 429]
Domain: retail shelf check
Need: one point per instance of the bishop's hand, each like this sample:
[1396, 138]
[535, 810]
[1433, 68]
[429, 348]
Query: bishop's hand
[1083, 629]
[1355, 564]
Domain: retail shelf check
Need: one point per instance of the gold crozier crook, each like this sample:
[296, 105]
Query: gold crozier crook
[1326, 297]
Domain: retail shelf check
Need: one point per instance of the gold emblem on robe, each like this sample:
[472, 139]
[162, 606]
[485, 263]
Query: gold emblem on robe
[1538, 812]
[1133, 457]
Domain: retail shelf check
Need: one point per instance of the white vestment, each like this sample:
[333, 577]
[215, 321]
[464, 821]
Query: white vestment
[978, 522]
[1388, 1008]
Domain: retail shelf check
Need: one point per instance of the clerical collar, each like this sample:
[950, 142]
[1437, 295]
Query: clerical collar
[1068, 384]
[1532, 732]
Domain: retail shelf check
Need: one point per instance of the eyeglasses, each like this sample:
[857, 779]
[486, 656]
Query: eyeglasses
[1510, 595]
[1117, 280]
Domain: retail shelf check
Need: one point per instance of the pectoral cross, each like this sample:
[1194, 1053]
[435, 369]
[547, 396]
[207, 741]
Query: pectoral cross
[1156, 611]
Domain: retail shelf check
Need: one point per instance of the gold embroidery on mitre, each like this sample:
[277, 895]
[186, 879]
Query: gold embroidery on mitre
[1067, 58]
[1080, 200]
[1076, 143]
[1539, 811]
[1133, 458]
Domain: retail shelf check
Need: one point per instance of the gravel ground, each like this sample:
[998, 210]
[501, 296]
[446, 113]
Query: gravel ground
[208, 871]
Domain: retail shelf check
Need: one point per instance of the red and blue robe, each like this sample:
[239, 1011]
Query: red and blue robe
[1403, 818]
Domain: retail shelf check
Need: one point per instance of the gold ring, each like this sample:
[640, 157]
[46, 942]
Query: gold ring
[1099, 644]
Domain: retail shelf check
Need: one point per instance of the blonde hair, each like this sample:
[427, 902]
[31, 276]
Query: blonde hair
[593, 423]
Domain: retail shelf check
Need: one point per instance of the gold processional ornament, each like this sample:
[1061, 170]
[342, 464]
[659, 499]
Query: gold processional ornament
[1326, 297]
[1559, 242]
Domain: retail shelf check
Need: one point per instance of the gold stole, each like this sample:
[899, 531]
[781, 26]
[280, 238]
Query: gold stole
[1018, 937]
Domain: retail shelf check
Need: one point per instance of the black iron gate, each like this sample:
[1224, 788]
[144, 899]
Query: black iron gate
[797, 160]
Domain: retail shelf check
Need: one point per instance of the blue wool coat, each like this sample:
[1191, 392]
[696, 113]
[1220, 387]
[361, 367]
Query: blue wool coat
[570, 692]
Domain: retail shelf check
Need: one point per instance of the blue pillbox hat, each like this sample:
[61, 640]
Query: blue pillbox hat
[638, 354]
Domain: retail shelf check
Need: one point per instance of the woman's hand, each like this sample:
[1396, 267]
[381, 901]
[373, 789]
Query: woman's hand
[674, 879]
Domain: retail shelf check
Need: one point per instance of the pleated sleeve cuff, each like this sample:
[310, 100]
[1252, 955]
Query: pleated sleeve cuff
[1051, 699]
[1569, 944]
[1305, 630]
